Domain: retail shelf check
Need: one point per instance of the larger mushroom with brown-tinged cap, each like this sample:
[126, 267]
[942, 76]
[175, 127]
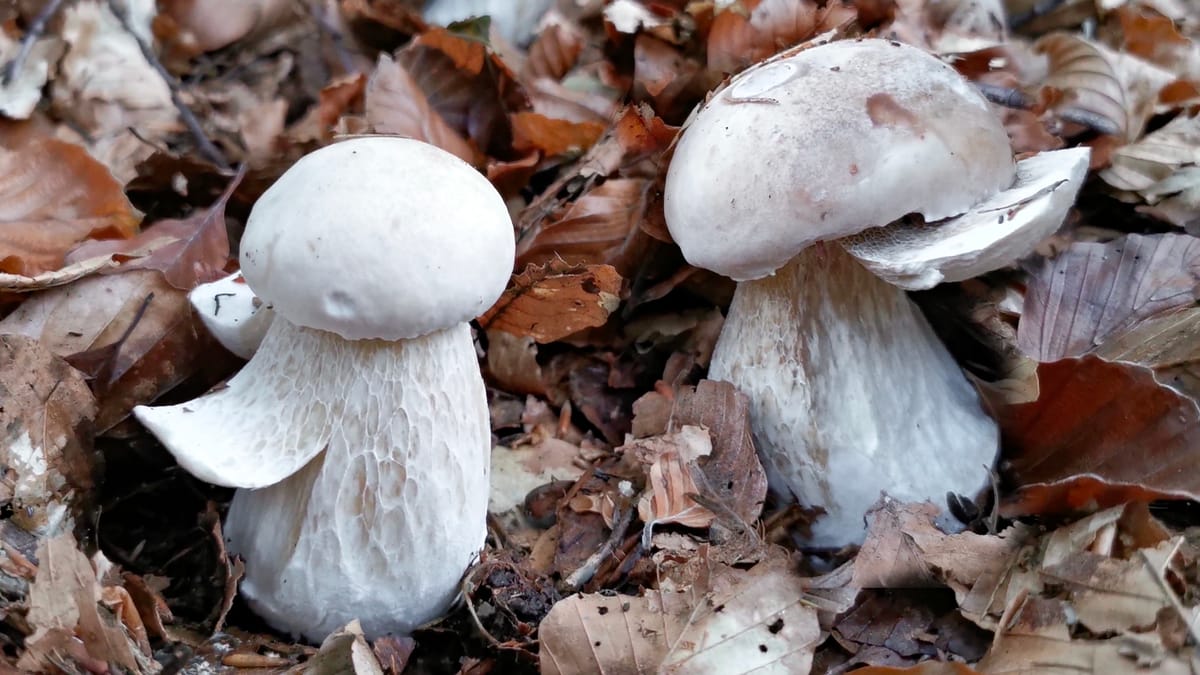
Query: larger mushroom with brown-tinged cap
[358, 431]
[852, 394]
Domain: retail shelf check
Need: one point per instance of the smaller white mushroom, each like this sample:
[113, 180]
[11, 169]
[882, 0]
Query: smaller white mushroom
[359, 429]
[235, 316]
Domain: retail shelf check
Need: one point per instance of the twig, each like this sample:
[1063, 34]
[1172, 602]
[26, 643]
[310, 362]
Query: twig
[465, 588]
[588, 569]
[34, 32]
[206, 147]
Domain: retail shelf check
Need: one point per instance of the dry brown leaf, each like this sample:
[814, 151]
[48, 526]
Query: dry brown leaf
[554, 52]
[1099, 434]
[667, 458]
[52, 196]
[595, 228]
[667, 77]
[738, 39]
[63, 603]
[1037, 640]
[761, 622]
[167, 345]
[345, 652]
[555, 300]
[395, 104]
[341, 95]
[188, 252]
[1162, 168]
[512, 363]
[1155, 38]
[46, 446]
[1082, 84]
[1114, 595]
[600, 632]
[733, 472]
[905, 549]
[1093, 292]
[553, 137]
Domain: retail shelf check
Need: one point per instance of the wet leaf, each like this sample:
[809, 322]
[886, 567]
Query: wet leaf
[555, 300]
[52, 196]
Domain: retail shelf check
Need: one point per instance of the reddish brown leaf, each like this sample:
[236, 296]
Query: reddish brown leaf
[554, 52]
[188, 252]
[1094, 292]
[555, 300]
[737, 40]
[1152, 36]
[52, 196]
[553, 137]
[395, 104]
[1100, 432]
[593, 229]
[335, 99]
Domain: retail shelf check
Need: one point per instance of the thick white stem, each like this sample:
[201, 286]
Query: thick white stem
[852, 394]
[382, 525]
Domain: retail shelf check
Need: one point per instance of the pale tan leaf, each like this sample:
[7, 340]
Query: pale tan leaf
[593, 633]
[1088, 85]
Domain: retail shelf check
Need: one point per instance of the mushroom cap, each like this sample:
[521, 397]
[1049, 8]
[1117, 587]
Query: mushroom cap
[379, 237]
[232, 313]
[823, 144]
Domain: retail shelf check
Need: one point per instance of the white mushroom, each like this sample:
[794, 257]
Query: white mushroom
[362, 419]
[235, 316]
[513, 20]
[852, 394]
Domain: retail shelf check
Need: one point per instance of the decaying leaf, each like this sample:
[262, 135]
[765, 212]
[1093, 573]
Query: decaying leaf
[1093, 292]
[668, 459]
[46, 413]
[552, 136]
[761, 622]
[64, 609]
[596, 228]
[164, 342]
[555, 300]
[21, 90]
[621, 632]
[1162, 168]
[345, 652]
[905, 549]
[733, 472]
[52, 196]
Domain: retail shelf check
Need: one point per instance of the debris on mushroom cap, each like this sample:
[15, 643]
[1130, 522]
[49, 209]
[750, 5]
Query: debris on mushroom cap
[856, 396]
[367, 238]
[823, 144]
[993, 234]
[234, 315]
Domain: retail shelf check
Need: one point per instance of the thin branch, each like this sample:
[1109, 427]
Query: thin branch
[622, 518]
[35, 31]
[205, 146]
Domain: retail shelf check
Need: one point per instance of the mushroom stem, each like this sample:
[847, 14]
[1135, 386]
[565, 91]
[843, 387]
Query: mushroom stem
[383, 523]
[852, 394]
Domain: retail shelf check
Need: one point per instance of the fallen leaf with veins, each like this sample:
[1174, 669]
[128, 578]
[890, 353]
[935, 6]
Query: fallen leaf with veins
[52, 196]
[395, 104]
[622, 631]
[550, 302]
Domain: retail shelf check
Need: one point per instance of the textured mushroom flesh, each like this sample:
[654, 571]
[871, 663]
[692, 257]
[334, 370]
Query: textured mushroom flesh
[994, 233]
[856, 395]
[828, 142]
[382, 525]
[232, 313]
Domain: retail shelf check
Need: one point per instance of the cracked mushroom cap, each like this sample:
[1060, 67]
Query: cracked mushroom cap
[357, 239]
[823, 144]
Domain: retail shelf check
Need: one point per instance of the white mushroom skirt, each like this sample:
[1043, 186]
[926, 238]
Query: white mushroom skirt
[382, 504]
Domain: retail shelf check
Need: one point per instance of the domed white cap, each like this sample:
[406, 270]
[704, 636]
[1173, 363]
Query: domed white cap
[828, 142]
[379, 237]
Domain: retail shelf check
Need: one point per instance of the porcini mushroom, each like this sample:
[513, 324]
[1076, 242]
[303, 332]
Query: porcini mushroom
[358, 431]
[852, 394]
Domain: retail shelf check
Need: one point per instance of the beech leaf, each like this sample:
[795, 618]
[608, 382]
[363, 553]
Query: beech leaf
[555, 300]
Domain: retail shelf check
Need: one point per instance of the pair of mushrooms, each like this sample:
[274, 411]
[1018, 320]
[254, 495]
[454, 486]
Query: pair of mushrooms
[359, 429]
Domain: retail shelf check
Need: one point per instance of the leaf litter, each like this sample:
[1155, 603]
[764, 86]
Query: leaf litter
[632, 526]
